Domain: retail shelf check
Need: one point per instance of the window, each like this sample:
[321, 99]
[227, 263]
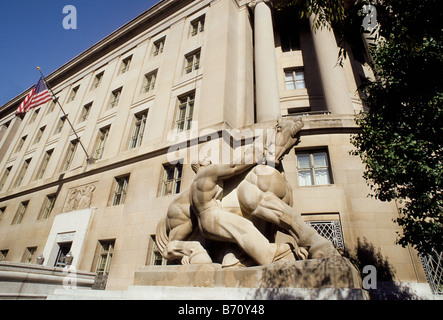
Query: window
[73, 94]
[331, 230]
[138, 129]
[289, 30]
[313, 168]
[101, 141]
[34, 116]
[172, 175]
[120, 190]
[52, 105]
[106, 251]
[192, 62]
[433, 266]
[185, 112]
[5, 177]
[22, 172]
[295, 79]
[126, 63]
[2, 212]
[155, 258]
[20, 212]
[29, 254]
[115, 97]
[47, 156]
[3, 254]
[39, 135]
[149, 82]
[197, 26]
[48, 205]
[85, 112]
[97, 80]
[21, 143]
[70, 154]
[158, 47]
[290, 38]
[60, 125]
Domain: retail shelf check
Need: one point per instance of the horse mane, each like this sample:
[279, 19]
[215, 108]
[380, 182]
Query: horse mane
[295, 124]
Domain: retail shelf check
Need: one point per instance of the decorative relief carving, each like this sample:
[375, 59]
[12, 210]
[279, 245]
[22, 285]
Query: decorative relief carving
[79, 198]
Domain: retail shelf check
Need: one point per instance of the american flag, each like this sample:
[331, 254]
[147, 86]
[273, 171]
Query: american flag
[39, 94]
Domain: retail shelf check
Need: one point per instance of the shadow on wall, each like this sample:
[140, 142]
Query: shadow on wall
[387, 289]
[324, 279]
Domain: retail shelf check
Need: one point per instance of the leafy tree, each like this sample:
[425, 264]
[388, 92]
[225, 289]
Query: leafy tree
[401, 142]
[401, 138]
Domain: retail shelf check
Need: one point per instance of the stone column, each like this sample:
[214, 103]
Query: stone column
[266, 78]
[335, 86]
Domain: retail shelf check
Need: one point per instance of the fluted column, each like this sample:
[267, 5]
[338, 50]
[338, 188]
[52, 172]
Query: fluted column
[333, 78]
[266, 78]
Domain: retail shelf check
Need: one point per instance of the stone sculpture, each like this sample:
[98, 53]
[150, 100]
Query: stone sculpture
[263, 194]
[79, 198]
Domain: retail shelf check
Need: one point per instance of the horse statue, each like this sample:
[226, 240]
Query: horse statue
[263, 194]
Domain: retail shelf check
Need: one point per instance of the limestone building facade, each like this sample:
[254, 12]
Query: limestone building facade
[178, 69]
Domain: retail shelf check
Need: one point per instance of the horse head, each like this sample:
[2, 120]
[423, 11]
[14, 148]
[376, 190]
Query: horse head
[287, 135]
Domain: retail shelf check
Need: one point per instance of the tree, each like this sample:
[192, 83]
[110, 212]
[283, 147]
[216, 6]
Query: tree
[401, 139]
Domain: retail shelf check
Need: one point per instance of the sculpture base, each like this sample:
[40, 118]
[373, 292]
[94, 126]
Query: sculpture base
[315, 278]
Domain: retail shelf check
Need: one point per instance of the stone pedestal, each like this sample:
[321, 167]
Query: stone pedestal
[334, 278]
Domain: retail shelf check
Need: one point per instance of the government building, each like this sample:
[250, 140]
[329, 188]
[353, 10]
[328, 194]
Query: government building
[92, 197]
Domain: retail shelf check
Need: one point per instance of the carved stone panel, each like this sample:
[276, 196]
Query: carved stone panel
[79, 198]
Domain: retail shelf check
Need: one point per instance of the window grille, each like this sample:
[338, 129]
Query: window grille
[331, 230]
[433, 265]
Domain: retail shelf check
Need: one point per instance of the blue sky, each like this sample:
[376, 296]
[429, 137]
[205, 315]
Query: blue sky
[32, 34]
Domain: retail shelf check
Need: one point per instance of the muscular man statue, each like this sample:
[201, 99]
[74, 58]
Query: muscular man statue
[218, 224]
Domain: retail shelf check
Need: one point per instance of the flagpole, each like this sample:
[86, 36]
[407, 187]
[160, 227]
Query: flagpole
[66, 116]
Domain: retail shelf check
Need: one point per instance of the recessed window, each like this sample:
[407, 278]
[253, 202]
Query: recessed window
[85, 112]
[185, 112]
[126, 63]
[106, 251]
[115, 97]
[51, 105]
[120, 190]
[192, 62]
[138, 129]
[22, 172]
[97, 80]
[47, 207]
[2, 212]
[73, 94]
[155, 257]
[158, 47]
[295, 79]
[20, 144]
[5, 177]
[70, 154]
[60, 124]
[101, 141]
[172, 175]
[46, 157]
[34, 116]
[29, 254]
[39, 135]
[313, 168]
[3, 254]
[149, 82]
[20, 212]
[197, 26]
